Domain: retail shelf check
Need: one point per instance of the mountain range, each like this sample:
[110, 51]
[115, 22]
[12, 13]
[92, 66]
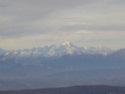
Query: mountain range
[65, 48]
[93, 89]
[61, 65]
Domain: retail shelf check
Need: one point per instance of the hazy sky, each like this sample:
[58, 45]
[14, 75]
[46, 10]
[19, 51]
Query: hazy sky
[35, 23]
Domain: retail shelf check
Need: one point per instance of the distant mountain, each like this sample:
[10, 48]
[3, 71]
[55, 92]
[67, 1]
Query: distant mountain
[119, 53]
[65, 48]
[61, 65]
[2, 51]
[72, 90]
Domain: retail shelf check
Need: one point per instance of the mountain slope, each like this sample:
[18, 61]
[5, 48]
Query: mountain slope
[72, 90]
[63, 71]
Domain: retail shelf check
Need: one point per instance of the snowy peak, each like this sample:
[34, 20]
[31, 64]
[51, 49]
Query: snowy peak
[66, 48]
[67, 43]
[62, 49]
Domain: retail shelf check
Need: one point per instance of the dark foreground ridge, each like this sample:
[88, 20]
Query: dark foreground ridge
[100, 89]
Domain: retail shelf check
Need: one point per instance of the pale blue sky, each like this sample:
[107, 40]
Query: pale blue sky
[35, 23]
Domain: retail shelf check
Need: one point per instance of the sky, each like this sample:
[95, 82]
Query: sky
[36, 23]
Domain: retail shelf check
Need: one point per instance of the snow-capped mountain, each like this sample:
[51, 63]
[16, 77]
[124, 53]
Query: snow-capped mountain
[65, 48]
[61, 63]
[2, 51]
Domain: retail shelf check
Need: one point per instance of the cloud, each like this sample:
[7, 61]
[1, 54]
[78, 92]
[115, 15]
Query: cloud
[93, 27]
[23, 15]
[33, 19]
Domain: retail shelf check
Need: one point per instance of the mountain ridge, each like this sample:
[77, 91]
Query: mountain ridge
[89, 89]
[65, 48]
